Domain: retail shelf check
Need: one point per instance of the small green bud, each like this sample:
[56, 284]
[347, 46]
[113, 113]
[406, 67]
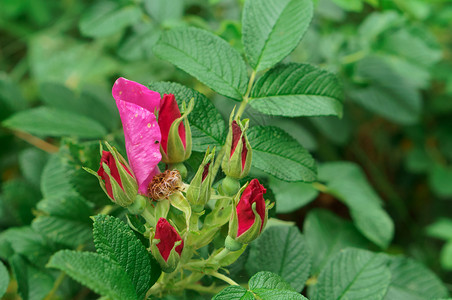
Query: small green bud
[176, 142]
[200, 187]
[237, 159]
[115, 177]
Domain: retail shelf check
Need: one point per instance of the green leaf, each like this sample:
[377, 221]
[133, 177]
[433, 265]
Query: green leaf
[106, 18]
[440, 180]
[70, 207]
[338, 131]
[4, 279]
[165, 11]
[32, 162]
[326, 235]
[207, 57]
[62, 230]
[268, 280]
[273, 28]
[412, 281]
[281, 250]
[446, 256]
[270, 286]
[28, 243]
[88, 103]
[441, 229]
[386, 93]
[206, 123]
[46, 121]
[54, 58]
[56, 182]
[347, 182]
[264, 286]
[138, 45]
[11, 98]
[277, 153]
[33, 283]
[98, 272]
[412, 51]
[353, 274]
[291, 196]
[66, 220]
[115, 239]
[18, 198]
[234, 292]
[294, 90]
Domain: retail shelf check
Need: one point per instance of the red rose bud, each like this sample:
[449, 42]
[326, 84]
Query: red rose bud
[200, 187]
[237, 159]
[176, 135]
[167, 245]
[250, 214]
[115, 177]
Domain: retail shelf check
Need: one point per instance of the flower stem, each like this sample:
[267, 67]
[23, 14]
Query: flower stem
[37, 142]
[148, 215]
[246, 97]
[224, 278]
[222, 254]
[218, 161]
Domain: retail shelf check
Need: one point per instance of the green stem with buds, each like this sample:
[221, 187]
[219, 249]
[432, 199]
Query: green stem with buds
[246, 97]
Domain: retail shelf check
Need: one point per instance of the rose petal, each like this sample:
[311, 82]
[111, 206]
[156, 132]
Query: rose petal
[168, 236]
[253, 193]
[142, 135]
[169, 112]
[133, 92]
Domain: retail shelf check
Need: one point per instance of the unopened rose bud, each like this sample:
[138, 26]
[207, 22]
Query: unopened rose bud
[175, 129]
[200, 187]
[115, 177]
[237, 159]
[250, 214]
[167, 245]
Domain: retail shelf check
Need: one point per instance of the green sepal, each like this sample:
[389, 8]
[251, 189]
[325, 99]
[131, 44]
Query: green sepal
[232, 165]
[231, 244]
[128, 181]
[199, 191]
[169, 265]
[138, 206]
[126, 195]
[213, 222]
[176, 152]
[101, 182]
[181, 203]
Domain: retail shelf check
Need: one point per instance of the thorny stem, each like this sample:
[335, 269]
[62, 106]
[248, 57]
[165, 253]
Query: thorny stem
[218, 161]
[320, 187]
[37, 142]
[147, 215]
[224, 278]
[222, 254]
[246, 97]
[354, 57]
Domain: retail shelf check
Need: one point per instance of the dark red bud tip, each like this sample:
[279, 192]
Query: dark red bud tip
[109, 160]
[168, 236]
[253, 193]
[169, 112]
[205, 172]
[236, 133]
